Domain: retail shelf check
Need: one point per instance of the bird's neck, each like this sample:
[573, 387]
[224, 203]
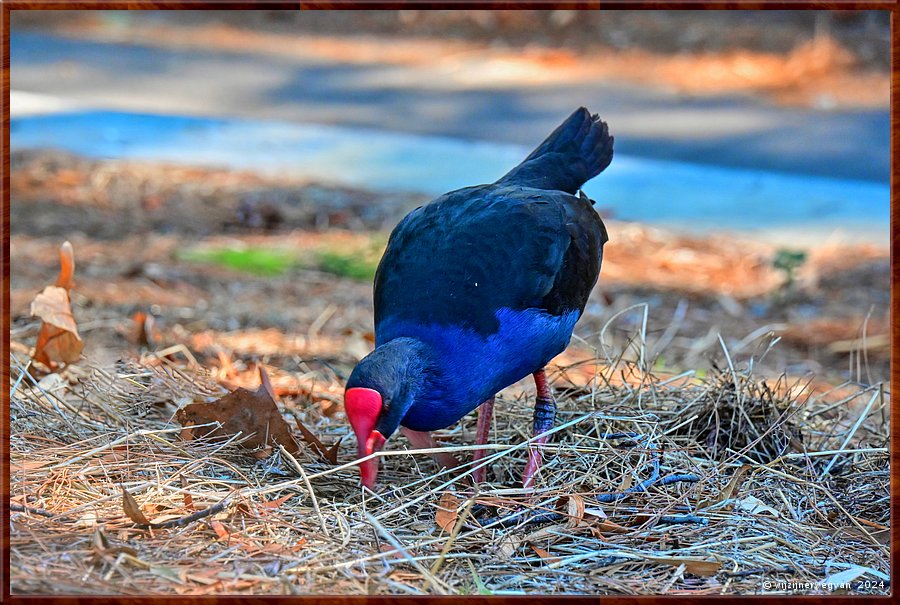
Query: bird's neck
[404, 371]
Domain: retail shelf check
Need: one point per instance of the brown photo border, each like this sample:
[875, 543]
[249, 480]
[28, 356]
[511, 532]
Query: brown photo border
[9, 5]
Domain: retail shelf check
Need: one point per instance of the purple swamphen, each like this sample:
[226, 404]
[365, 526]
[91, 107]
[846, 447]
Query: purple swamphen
[478, 289]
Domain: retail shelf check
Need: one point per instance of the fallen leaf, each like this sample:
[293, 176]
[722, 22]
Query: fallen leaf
[253, 414]
[329, 454]
[610, 527]
[395, 554]
[131, 508]
[276, 503]
[755, 506]
[574, 510]
[544, 554]
[188, 497]
[103, 547]
[446, 512]
[144, 332]
[698, 567]
[507, 547]
[66, 266]
[731, 489]
[58, 341]
[219, 529]
[882, 536]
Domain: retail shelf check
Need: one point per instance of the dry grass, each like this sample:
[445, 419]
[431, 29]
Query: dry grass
[651, 484]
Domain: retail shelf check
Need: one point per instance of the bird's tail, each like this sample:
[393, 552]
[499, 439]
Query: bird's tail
[577, 151]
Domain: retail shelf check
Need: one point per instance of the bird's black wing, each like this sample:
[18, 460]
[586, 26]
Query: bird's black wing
[459, 259]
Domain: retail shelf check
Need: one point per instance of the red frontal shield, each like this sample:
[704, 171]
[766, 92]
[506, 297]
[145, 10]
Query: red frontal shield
[363, 407]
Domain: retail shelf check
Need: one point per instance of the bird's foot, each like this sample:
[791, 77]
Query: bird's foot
[544, 417]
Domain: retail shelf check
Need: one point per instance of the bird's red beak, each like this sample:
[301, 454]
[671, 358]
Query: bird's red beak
[363, 407]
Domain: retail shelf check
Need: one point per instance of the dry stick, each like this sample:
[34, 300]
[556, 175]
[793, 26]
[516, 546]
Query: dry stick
[312, 494]
[112, 444]
[438, 586]
[856, 426]
[20, 508]
[52, 399]
[608, 322]
[22, 372]
[737, 388]
[181, 521]
[841, 402]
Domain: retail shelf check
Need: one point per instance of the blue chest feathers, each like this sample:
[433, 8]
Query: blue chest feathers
[473, 367]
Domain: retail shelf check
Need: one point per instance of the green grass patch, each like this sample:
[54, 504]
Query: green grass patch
[258, 261]
[358, 263]
[347, 264]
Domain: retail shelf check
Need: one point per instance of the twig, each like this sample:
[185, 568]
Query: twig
[19, 508]
[684, 519]
[312, 494]
[859, 421]
[181, 521]
[438, 586]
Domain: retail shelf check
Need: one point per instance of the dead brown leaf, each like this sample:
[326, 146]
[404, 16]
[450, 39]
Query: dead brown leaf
[574, 510]
[544, 554]
[66, 266]
[276, 503]
[188, 498]
[609, 527]
[58, 341]
[730, 490]
[144, 332]
[131, 508]
[698, 567]
[252, 414]
[446, 513]
[329, 454]
[220, 530]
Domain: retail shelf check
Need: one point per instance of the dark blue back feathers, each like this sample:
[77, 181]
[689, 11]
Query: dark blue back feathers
[524, 242]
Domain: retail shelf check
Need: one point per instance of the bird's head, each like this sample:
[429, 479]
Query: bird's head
[379, 392]
[364, 407]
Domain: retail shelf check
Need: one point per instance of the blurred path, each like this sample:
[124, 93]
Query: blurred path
[726, 131]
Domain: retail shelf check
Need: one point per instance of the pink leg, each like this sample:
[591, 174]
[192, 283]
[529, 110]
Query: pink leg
[423, 440]
[544, 417]
[485, 411]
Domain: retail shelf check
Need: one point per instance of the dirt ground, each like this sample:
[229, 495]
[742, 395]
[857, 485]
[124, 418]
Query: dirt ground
[149, 239]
